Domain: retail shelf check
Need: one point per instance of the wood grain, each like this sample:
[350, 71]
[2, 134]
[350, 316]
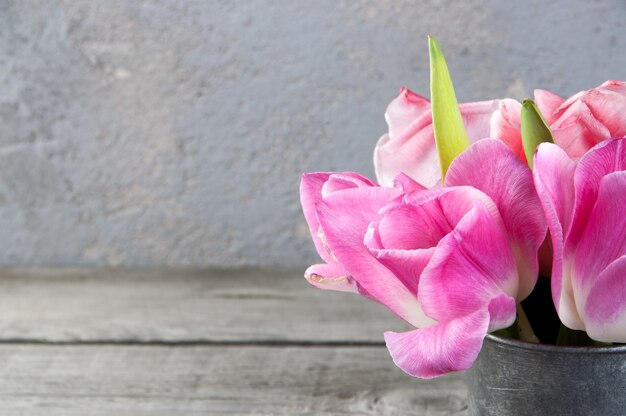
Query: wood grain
[74, 305]
[200, 380]
[172, 342]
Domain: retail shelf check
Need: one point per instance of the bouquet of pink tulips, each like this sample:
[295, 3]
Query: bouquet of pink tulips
[476, 207]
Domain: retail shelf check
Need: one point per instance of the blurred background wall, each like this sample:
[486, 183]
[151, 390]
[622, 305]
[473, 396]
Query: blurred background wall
[149, 133]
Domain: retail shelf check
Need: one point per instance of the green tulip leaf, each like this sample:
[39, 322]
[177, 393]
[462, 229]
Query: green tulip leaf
[450, 136]
[535, 130]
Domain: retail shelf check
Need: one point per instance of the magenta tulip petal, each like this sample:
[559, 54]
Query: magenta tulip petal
[339, 181]
[471, 266]
[407, 265]
[548, 104]
[409, 227]
[442, 209]
[604, 235]
[607, 157]
[605, 308]
[330, 277]
[421, 219]
[554, 179]
[313, 187]
[441, 348]
[404, 110]
[493, 168]
[502, 312]
[310, 194]
[345, 217]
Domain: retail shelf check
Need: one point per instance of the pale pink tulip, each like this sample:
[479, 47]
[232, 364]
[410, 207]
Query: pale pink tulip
[585, 205]
[409, 146]
[452, 262]
[578, 123]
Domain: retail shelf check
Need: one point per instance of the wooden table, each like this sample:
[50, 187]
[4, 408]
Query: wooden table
[171, 342]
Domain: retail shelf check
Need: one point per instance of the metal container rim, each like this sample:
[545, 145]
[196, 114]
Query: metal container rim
[619, 349]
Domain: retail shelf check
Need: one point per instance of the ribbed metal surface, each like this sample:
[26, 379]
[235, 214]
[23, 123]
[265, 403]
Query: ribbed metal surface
[517, 379]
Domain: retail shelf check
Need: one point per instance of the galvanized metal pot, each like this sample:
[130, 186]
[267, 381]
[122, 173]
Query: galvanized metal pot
[515, 378]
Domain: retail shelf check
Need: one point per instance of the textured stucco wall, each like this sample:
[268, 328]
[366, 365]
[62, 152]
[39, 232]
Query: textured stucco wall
[174, 132]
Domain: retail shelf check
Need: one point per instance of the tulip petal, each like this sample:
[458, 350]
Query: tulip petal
[567, 103]
[339, 181]
[405, 226]
[604, 237]
[554, 179]
[493, 168]
[615, 85]
[506, 124]
[406, 184]
[404, 110]
[438, 349]
[605, 308]
[345, 218]
[609, 108]
[330, 277]
[477, 118]
[419, 220]
[310, 194]
[407, 265]
[413, 152]
[472, 265]
[576, 130]
[312, 187]
[548, 103]
[406, 148]
[502, 312]
[607, 157]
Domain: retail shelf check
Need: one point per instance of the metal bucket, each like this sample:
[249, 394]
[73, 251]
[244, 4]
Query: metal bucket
[515, 378]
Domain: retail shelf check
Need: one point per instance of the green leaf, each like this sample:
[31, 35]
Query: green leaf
[535, 130]
[450, 135]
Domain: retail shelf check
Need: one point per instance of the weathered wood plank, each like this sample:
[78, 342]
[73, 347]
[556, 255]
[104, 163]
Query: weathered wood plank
[70, 305]
[92, 380]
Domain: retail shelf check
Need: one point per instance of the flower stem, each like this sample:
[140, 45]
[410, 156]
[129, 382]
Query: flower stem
[524, 330]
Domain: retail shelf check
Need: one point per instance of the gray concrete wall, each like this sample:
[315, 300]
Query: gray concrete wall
[174, 132]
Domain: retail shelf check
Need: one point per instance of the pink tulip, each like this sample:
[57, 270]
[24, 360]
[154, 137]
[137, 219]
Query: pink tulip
[585, 205]
[409, 146]
[452, 262]
[316, 186]
[580, 122]
[313, 188]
